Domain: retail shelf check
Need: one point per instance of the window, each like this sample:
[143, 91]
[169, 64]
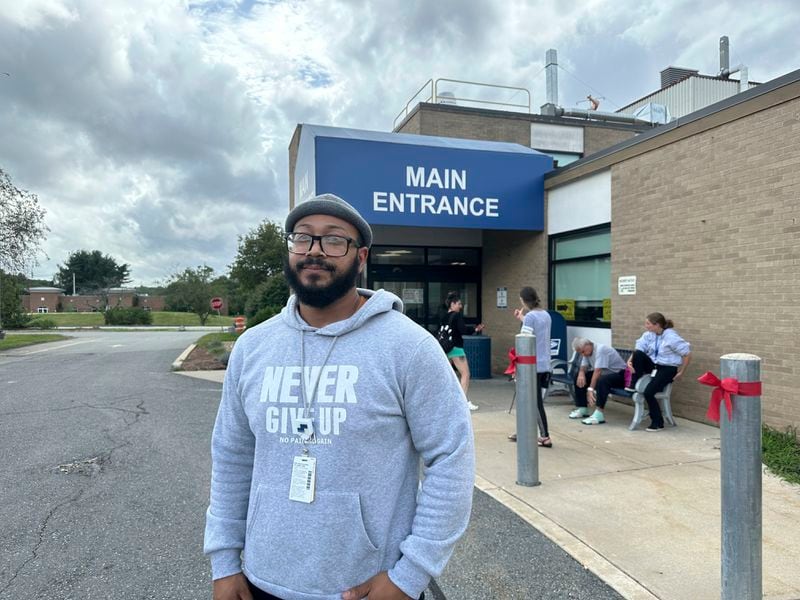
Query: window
[580, 275]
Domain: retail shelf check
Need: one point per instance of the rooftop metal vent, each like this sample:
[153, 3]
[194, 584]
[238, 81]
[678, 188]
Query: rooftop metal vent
[672, 75]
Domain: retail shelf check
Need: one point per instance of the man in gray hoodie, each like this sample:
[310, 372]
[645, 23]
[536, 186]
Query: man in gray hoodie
[327, 411]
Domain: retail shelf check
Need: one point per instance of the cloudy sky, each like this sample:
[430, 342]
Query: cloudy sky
[157, 131]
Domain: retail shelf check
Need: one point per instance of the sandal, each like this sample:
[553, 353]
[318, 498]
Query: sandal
[545, 442]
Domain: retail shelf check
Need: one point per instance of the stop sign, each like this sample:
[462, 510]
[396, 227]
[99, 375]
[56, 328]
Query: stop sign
[216, 303]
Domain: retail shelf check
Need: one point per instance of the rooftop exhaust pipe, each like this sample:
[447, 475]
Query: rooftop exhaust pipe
[725, 70]
[552, 109]
[724, 55]
[551, 76]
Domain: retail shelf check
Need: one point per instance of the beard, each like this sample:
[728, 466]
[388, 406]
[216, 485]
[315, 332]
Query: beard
[315, 294]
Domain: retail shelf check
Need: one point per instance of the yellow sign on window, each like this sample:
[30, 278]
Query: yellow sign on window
[607, 310]
[566, 306]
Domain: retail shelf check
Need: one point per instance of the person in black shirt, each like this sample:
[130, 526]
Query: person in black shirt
[455, 320]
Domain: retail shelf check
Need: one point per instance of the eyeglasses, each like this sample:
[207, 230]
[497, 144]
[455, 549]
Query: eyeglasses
[330, 245]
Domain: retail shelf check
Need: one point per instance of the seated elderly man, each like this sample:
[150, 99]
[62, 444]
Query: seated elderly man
[602, 368]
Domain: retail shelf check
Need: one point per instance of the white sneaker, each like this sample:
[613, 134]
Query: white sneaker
[579, 413]
[472, 406]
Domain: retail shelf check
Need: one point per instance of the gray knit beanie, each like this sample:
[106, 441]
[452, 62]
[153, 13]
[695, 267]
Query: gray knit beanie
[328, 204]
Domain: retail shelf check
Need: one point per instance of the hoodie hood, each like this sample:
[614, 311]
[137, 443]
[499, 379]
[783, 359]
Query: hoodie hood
[378, 302]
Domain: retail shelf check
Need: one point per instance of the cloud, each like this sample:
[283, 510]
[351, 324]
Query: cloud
[157, 132]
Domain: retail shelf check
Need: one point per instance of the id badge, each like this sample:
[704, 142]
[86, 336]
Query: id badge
[304, 428]
[653, 374]
[304, 476]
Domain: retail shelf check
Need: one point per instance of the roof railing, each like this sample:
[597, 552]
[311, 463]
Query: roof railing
[448, 97]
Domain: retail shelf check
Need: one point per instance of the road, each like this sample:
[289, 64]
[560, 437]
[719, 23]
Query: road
[104, 484]
[105, 469]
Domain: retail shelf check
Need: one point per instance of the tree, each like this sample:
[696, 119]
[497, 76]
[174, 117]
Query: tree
[191, 291]
[94, 272]
[273, 292]
[11, 309]
[260, 255]
[22, 228]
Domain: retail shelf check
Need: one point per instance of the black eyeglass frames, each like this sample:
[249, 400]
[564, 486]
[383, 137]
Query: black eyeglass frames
[330, 245]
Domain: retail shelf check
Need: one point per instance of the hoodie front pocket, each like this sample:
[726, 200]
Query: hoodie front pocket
[316, 548]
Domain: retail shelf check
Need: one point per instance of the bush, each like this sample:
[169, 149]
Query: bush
[42, 323]
[16, 320]
[262, 315]
[128, 316]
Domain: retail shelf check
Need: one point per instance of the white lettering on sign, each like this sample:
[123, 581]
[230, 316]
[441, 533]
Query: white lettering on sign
[449, 179]
[432, 179]
[435, 205]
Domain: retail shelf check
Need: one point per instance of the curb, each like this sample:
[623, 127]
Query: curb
[178, 362]
[602, 567]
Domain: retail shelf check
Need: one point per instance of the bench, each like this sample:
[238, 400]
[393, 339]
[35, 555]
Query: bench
[564, 373]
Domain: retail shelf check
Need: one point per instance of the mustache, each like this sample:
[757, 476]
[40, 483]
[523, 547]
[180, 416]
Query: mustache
[316, 262]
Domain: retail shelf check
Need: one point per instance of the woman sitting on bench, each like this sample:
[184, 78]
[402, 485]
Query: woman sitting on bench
[663, 355]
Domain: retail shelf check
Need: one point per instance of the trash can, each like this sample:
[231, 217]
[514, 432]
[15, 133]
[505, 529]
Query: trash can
[478, 349]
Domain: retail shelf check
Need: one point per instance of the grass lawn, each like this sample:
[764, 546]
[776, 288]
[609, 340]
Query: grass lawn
[781, 453]
[176, 318]
[17, 341]
[212, 341]
[160, 319]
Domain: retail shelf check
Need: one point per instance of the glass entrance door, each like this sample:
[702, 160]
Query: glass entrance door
[423, 276]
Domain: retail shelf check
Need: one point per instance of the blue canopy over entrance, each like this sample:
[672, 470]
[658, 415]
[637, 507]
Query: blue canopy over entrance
[424, 181]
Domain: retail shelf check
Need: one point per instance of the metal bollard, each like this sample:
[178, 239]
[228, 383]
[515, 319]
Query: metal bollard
[740, 466]
[527, 410]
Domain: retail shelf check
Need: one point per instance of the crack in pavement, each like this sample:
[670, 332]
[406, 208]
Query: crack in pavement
[40, 541]
[138, 412]
[85, 467]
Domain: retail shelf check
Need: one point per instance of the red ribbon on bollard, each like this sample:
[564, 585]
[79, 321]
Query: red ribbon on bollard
[723, 388]
[514, 360]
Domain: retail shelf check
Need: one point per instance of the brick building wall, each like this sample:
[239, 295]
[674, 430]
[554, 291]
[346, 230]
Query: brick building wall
[600, 138]
[511, 259]
[474, 125]
[31, 302]
[120, 299]
[498, 126]
[157, 303]
[710, 225]
[412, 124]
[87, 303]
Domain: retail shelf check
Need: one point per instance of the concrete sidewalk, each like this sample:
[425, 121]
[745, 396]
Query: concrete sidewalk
[640, 510]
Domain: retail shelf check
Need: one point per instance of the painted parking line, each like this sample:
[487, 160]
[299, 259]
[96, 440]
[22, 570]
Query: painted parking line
[59, 347]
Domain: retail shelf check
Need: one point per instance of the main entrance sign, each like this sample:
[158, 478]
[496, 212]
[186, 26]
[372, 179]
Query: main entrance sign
[424, 181]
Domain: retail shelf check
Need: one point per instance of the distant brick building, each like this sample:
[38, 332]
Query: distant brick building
[52, 299]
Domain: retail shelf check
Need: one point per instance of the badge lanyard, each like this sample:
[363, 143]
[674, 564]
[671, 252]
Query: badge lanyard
[304, 468]
[658, 338]
[307, 422]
